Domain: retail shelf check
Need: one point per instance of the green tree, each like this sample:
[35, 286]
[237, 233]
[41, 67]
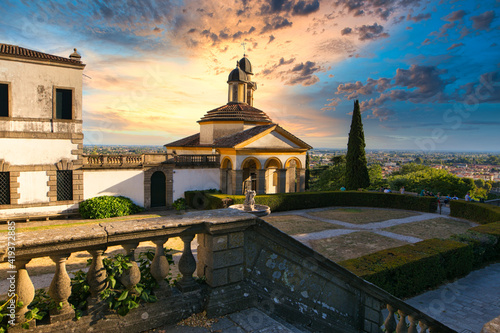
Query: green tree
[356, 175]
[375, 173]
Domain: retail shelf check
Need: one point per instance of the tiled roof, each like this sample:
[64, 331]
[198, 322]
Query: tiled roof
[236, 111]
[224, 142]
[21, 52]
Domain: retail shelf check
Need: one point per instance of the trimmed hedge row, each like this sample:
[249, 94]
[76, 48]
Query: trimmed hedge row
[303, 200]
[492, 229]
[474, 211]
[410, 269]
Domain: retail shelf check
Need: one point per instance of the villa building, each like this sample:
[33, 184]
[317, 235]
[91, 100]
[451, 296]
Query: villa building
[43, 170]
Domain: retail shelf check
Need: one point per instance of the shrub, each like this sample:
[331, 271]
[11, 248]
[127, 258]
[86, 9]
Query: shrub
[474, 211]
[179, 204]
[304, 200]
[483, 245]
[410, 269]
[107, 206]
[493, 230]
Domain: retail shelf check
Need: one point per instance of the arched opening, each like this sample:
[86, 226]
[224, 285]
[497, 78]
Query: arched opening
[158, 190]
[272, 175]
[227, 176]
[250, 167]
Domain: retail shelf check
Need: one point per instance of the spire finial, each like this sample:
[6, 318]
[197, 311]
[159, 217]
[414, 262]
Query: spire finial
[244, 48]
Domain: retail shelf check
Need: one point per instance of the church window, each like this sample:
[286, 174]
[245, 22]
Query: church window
[4, 100]
[64, 104]
[4, 188]
[64, 185]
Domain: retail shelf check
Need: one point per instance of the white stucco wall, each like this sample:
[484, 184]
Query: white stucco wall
[33, 187]
[35, 151]
[32, 87]
[195, 179]
[127, 183]
[272, 140]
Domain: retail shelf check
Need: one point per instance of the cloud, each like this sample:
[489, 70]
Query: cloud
[454, 46]
[276, 23]
[483, 21]
[271, 38]
[419, 17]
[304, 8]
[379, 8]
[345, 31]
[382, 114]
[418, 84]
[276, 6]
[485, 90]
[332, 105]
[369, 32]
[303, 74]
[455, 16]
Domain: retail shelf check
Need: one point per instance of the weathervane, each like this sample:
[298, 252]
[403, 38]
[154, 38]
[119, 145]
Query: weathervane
[244, 48]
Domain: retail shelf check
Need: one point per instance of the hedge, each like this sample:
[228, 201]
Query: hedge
[107, 206]
[475, 211]
[493, 230]
[408, 270]
[303, 200]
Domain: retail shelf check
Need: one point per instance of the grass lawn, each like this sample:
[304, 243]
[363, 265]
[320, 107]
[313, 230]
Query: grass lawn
[294, 224]
[363, 216]
[353, 245]
[440, 227]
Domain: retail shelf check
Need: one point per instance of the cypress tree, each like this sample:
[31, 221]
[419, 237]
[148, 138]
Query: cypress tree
[308, 172]
[356, 171]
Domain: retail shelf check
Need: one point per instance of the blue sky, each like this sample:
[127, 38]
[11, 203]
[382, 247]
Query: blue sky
[427, 73]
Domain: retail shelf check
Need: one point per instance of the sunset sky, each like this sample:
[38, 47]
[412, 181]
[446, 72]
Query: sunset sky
[427, 73]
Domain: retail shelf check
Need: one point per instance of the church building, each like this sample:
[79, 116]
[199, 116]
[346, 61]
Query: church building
[252, 149]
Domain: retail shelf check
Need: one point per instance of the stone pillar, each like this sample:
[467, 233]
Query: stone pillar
[238, 182]
[220, 258]
[60, 290]
[187, 266]
[281, 180]
[302, 180]
[223, 180]
[96, 275]
[24, 289]
[261, 181]
[160, 268]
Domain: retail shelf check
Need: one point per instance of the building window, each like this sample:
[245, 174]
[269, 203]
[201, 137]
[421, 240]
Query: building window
[4, 188]
[64, 185]
[4, 100]
[64, 104]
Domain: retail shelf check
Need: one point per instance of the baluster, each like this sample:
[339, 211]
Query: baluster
[423, 326]
[413, 319]
[160, 268]
[401, 327]
[131, 276]
[187, 266]
[60, 290]
[390, 321]
[96, 275]
[24, 289]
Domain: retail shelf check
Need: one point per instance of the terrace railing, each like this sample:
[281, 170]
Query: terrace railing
[207, 161]
[246, 263]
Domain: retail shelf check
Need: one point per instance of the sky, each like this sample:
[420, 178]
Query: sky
[426, 73]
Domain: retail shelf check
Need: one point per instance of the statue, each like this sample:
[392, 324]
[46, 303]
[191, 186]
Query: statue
[249, 203]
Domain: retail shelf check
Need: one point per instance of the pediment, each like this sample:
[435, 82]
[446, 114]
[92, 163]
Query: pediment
[274, 138]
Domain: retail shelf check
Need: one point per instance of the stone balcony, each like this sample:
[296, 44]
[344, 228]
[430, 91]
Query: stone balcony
[246, 263]
[138, 161]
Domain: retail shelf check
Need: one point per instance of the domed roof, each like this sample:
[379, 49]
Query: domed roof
[245, 65]
[237, 75]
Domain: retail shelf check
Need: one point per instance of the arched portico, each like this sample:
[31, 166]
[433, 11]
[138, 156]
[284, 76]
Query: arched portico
[250, 167]
[295, 175]
[272, 167]
[226, 176]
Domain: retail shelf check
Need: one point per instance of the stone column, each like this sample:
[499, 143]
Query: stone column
[96, 275]
[24, 289]
[281, 180]
[261, 181]
[160, 268]
[223, 180]
[302, 180]
[60, 290]
[238, 182]
[187, 266]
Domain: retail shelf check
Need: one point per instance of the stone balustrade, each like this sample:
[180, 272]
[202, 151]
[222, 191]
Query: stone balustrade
[245, 261]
